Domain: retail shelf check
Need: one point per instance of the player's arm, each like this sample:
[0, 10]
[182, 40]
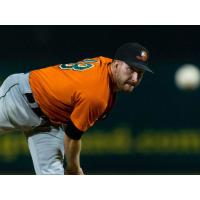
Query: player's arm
[72, 144]
[90, 109]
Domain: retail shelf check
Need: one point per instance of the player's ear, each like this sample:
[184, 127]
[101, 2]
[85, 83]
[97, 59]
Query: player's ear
[116, 64]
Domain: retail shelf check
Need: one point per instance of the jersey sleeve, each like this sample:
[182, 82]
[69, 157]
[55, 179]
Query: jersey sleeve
[87, 110]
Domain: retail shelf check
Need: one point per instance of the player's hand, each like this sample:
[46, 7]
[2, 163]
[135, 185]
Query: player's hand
[74, 171]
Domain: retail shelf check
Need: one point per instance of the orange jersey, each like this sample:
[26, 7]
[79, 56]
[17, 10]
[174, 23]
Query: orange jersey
[81, 92]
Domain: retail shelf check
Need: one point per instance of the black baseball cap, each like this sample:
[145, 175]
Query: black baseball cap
[134, 55]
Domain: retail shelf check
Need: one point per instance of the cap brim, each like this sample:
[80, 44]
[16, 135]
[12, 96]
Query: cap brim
[140, 66]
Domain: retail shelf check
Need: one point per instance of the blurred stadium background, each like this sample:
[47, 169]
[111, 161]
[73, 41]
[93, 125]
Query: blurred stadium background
[154, 130]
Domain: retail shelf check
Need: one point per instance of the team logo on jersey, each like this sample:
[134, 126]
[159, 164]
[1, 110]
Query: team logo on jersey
[79, 66]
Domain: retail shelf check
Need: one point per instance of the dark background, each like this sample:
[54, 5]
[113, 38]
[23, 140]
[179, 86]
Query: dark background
[155, 105]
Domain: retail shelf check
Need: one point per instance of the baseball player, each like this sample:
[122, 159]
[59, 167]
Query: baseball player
[56, 105]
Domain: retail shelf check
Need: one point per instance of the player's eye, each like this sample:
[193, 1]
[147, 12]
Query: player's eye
[130, 69]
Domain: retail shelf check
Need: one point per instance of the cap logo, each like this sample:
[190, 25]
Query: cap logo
[143, 57]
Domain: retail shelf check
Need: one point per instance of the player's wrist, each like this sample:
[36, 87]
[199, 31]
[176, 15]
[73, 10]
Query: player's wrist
[74, 171]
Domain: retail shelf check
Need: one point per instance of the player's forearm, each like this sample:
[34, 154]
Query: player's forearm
[72, 152]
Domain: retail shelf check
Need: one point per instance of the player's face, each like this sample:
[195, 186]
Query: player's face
[126, 77]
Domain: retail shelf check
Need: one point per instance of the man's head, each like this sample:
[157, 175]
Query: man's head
[128, 66]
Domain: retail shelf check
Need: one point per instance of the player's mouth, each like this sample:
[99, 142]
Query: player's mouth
[131, 83]
[129, 86]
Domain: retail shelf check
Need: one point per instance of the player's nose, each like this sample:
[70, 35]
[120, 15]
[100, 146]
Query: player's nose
[134, 77]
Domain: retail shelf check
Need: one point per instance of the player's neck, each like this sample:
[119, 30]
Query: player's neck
[111, 66]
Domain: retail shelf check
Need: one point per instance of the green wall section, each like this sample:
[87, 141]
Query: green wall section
[141, 153]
